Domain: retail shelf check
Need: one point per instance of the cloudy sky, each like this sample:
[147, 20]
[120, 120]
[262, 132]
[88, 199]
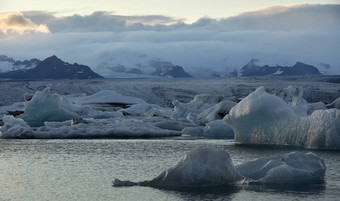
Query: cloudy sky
[214, 35]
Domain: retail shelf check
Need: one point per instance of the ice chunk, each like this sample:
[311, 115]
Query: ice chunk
[139, 109]
[261, 118]
[90, 128]
[159, 112]
[45, 106]
[200, 167]
[335, 104]
[311, 107]
[196, 106]
[214, 167]
[193, 131]
[20, 106]
[292, 95]
[218, 129]
[295, 168]
[14, 128]
[215, 112]
[108, 96]
[213, 129]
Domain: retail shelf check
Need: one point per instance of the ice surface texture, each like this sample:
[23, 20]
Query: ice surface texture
[213, 167]
[47, 107]
[294, 168]
[262, 118]
[90, 128]
[48, 116]
[200, 167]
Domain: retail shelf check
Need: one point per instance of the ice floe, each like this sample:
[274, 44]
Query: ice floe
[214, 129]
[335, 104]
[215, 112]
[262, 118]
[200, 167]
[292, 95]
[295, 168]
[196, 106]
[206, 166]
[90, 128]
[108, 96]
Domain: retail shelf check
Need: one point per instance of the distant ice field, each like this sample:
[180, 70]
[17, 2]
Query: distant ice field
[162, 91]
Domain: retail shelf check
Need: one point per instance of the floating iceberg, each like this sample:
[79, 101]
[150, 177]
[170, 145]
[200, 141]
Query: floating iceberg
[139, 109]
[90, 128]
[200, 167]
[45, 106]
[108, 96]
[214, 167]
[262, 118]
[335, 104]
[196, 106]
[292, 95]
[218, 129]
[295, 168]
[213, 129]
[215, 112]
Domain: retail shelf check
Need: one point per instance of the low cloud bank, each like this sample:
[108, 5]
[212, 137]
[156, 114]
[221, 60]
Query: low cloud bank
[275, 35]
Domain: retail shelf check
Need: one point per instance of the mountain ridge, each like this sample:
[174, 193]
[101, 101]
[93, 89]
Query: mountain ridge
[50, 68]
[299, 68]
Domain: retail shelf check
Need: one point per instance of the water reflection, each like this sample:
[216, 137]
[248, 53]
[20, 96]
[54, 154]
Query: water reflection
[202, 193]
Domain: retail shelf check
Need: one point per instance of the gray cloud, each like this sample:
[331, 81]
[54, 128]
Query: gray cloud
[278, 35]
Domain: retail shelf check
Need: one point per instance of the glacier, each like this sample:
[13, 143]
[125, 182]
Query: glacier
[266, 119]
[211, 167]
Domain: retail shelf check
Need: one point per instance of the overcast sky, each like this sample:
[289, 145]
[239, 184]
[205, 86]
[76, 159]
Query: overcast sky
[216, 35]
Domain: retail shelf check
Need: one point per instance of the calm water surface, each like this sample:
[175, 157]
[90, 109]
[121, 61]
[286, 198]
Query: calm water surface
[84, 169]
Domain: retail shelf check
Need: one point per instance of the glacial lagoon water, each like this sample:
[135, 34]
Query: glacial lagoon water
[84, 170]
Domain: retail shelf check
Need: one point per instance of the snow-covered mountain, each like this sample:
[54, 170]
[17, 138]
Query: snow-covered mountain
[252, 69]
[50, 68]
[167, 69]
[8, 64]
[151, 68]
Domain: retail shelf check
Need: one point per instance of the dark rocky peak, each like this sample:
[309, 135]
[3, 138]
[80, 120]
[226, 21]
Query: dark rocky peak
[167, 69]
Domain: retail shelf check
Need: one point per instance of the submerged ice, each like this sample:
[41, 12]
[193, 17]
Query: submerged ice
[213, 167]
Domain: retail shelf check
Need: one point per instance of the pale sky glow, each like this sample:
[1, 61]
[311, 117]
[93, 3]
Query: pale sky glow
[191, 10]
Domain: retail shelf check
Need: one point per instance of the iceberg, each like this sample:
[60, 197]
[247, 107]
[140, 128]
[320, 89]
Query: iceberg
[109, 97]
[292, 95]
[140, 109]
[90, 128]
[195, 106]
[200, 167]
[215, 112]
[295, 168]
[262, 118]
[218, 129]
[335, 104]
[45, 106]
[214, 129]
[209, 167]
